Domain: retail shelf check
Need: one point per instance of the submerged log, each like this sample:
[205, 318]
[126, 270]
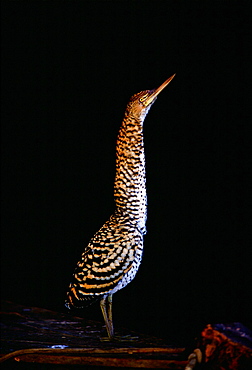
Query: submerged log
[35, 335]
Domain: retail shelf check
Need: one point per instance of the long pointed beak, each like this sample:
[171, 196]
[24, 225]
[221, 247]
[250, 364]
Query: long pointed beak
[158, 90]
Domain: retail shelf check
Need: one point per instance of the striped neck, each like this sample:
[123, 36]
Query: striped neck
[129, 188]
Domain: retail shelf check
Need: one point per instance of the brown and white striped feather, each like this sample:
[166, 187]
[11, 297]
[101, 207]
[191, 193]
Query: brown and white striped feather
[109, 263]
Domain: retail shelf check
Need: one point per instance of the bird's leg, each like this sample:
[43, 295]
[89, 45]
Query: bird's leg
[110, 320]
[106, 307]
[107, 317]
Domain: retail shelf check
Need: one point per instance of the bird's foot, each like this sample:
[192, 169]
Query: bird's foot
[117, 338]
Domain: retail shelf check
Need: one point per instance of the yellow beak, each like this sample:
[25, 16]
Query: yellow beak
[158, 90]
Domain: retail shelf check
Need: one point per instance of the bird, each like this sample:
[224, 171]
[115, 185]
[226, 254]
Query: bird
[112, 258]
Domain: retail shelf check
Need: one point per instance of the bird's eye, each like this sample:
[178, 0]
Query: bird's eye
[143, 97]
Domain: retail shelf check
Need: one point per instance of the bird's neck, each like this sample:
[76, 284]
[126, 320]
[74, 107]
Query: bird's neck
[130, 189]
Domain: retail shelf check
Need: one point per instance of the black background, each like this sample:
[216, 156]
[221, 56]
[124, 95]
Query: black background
[68, 70]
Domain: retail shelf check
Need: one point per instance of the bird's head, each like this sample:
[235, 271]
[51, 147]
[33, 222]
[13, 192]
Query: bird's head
[140, 103]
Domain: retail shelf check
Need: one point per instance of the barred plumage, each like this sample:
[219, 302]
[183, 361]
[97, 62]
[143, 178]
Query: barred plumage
[112, 257]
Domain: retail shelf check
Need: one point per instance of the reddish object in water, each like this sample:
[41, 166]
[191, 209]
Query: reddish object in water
[227, 347]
